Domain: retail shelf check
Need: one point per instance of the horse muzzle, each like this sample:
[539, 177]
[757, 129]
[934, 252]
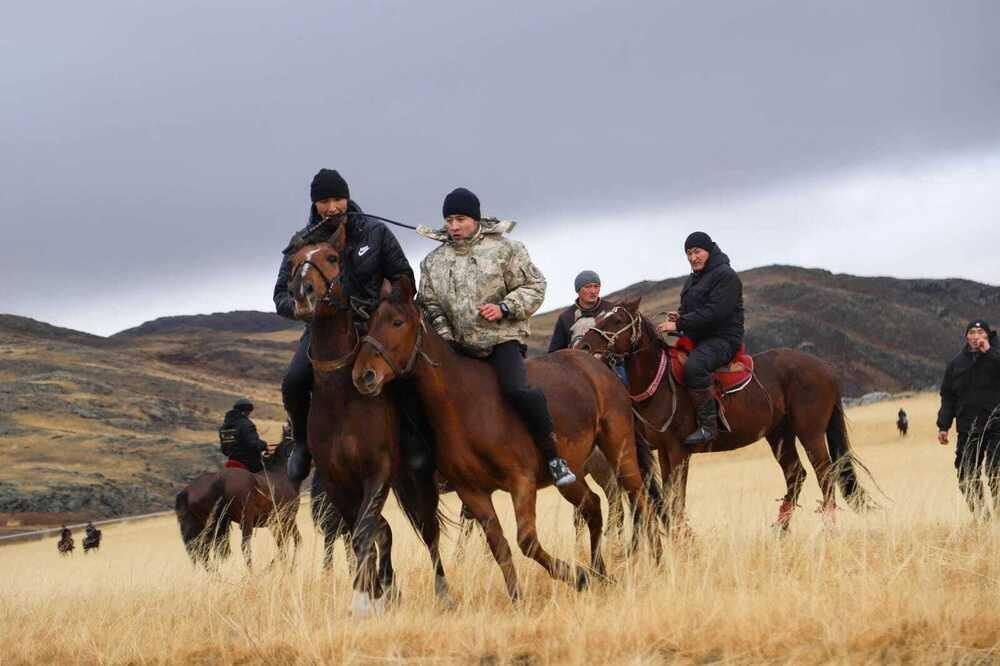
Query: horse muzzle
[368, 382]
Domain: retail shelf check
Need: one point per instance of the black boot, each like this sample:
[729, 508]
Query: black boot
[708, 419]
[299, 462]
[558, 468]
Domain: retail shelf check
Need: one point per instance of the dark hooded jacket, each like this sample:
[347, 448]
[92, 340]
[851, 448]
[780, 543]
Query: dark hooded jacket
[971, 390]
[247, 445]
[372, 254]
[573, 324]
[712, 302]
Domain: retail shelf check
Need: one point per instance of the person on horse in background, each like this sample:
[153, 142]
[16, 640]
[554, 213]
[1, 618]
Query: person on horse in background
[970, 396]
[573, 324]
[478, 290]
[238, 437]
[711, 314]
[372, 255]
[578, 318]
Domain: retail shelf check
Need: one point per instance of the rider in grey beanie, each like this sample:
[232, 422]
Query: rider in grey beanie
[585, 278]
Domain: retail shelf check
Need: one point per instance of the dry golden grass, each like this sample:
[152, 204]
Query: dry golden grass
[915, 581]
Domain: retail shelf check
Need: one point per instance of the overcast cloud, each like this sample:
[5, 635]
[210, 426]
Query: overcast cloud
[154, 159]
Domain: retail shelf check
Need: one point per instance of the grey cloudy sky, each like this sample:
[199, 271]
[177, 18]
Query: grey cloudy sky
[155, 157]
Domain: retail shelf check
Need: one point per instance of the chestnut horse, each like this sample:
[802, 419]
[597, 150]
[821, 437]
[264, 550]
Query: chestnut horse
[354, 440]
[793, 394]
[484, 446]
[207, 506]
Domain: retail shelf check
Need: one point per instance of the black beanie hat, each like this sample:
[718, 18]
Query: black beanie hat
[461, 202]
[979, 323]
[699, 239]
[328, 184]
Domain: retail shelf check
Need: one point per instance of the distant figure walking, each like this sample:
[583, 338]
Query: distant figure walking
[92, 539]
[902, 423]
[65, 544]
[970, 396]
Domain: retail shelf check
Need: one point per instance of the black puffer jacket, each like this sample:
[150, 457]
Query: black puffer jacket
[712, 302]
[372, 255]
[971, 390]
[246, 445]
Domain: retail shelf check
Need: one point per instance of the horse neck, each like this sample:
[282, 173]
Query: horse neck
[432, 380]
[643, 364]
[331, 332]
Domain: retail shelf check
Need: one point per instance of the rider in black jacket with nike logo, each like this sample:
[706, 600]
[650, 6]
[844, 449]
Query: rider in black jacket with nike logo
[372, 255]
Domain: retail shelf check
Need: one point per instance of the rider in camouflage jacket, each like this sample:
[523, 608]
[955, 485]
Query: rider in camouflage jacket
[459, 276]
[479, 289]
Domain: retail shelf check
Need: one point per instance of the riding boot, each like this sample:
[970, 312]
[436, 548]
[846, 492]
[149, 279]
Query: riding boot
[708, 419]
[558, 468]
[300, 460]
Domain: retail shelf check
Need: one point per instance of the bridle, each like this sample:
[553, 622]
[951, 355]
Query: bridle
[634, 328]
[414, 355]
[329, 283]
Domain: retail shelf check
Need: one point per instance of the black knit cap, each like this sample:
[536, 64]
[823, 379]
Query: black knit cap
[461, 202]
[243, 405]
[329, 184]
[979, 323]
[699, 239]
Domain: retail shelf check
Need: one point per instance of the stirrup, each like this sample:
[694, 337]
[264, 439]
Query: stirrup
[561, 473]
[700, 436]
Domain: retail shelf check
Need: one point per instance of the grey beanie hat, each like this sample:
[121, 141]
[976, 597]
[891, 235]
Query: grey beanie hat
[585, 278]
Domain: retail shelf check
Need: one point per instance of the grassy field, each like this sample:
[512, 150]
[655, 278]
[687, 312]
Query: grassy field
[914, 581]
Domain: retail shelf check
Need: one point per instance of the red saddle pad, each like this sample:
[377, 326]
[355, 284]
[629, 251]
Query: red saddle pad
[236, 464]
[728, 377]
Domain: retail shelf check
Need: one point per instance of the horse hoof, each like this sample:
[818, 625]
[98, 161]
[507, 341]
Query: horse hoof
[362, 605]
[582, 580]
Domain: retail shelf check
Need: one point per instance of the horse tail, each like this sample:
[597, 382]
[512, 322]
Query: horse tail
[219, 519]
[844, 461]
[416, 492]
[191, 527]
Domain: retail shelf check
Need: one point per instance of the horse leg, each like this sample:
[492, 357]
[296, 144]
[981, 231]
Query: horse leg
[247, 529]
[782, 443]
[481, 506]
[367, 588]
[819, 457]
[219, 536]
[386, 574]
[588, 504]
[426, 499]
[600, 470]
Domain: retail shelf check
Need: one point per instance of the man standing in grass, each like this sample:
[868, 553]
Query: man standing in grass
[970, 395]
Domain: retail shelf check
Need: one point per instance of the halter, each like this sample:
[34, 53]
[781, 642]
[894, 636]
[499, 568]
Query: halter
[410, 362]
[634, 327]
[327, 282]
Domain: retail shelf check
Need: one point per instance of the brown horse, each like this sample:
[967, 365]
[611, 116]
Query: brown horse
[207, 506]
[483, 446]
[65, 545]
[354, 440]
[792, 395]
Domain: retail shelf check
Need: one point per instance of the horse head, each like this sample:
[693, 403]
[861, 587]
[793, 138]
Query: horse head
[393, 342]
[615, 333]
[279, 456]
[314, 268]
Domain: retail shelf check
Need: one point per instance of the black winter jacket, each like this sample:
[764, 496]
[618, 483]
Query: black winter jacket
[372, 254]
[712, 302]
[246, 446]
[971, 390]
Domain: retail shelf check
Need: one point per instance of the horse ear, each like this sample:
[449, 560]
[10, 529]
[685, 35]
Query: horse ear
[338, 238]
[632, 305]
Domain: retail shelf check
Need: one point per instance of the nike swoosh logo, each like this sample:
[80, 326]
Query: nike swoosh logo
[362, 251]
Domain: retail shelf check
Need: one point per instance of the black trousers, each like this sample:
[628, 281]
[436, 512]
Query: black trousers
[296, 389]
[416, 435]
[710, 355]
[973, 453]
[530, 403]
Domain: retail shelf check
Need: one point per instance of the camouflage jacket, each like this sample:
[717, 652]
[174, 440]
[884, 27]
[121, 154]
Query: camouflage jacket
[458, 277]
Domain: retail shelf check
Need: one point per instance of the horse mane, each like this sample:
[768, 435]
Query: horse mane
[649, 329]
[280, 455]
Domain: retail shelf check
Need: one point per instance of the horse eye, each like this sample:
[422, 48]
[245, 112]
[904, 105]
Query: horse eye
[332, 258]
[397, 322]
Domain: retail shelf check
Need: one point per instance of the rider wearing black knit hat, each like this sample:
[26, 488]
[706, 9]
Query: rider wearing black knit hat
[711, 314]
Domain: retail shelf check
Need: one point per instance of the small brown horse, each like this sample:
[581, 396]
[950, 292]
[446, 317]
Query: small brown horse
[483, 446]
[793, 395]
[207, 506]
[354, 440]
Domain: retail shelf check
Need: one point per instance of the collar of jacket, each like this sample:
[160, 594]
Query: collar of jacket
[488, 226]
[716, 258]
[589, 312]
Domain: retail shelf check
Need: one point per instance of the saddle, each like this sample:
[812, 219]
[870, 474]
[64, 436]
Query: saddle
[727, 379]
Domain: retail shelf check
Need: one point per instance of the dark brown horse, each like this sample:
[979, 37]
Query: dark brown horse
[483, 446]
[792, 395]
[354, 440]
[65, 545]
[207, 506]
